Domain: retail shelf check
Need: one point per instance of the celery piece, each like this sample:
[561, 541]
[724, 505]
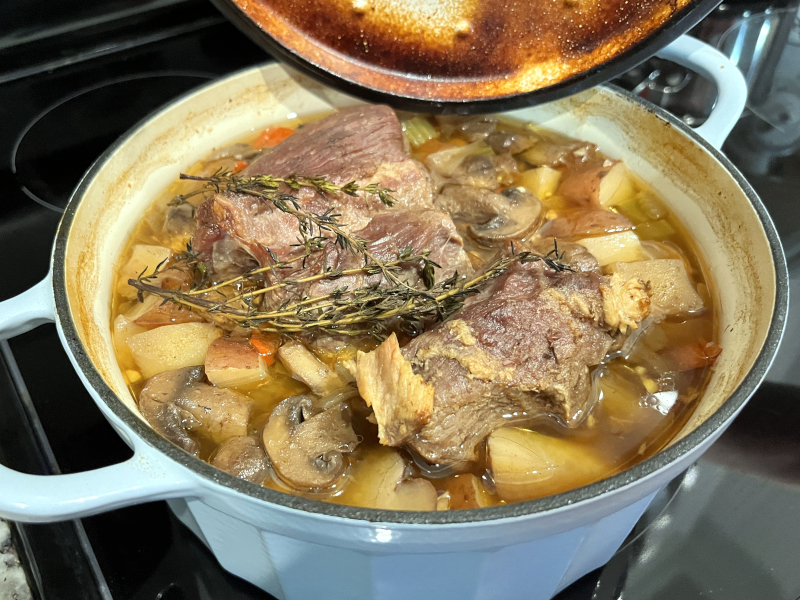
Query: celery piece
[419, 130]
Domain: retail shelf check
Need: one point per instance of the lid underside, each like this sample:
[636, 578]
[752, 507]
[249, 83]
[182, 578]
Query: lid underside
[421, 54]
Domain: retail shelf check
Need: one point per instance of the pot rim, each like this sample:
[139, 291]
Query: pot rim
[213, 476]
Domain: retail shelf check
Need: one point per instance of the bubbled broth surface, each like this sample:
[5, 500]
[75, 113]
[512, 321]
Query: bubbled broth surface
[623, 427]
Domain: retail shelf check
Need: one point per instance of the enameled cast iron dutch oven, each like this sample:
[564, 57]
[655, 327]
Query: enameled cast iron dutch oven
[298, 548]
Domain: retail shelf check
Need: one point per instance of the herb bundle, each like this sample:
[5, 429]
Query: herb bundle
[370, 309]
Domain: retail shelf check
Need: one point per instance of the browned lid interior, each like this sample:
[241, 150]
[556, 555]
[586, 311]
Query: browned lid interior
[459, 50]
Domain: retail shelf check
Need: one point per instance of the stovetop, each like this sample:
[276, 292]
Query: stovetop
[73, 82]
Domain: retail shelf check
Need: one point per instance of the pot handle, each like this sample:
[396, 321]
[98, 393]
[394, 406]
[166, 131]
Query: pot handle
[30, 309]
[709, 62]
[44, 498]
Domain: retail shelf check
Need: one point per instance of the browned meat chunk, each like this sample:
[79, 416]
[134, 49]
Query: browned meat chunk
[391, 233]
[362, 143]
[178, 403]
[243, 457]
[521, 349]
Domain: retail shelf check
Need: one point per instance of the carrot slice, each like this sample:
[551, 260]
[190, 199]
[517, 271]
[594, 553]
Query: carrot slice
[272, 137]
[266, 344]
[694, 356]
[240, 166]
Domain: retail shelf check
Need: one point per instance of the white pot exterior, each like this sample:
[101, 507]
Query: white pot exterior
[298, 549]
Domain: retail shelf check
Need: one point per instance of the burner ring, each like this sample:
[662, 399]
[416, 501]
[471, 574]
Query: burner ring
[54, 150]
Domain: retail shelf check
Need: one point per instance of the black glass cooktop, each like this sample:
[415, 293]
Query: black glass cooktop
[728, 529]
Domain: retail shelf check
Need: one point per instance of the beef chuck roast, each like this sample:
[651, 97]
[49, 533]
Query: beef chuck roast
[361, 143]
[524, 347]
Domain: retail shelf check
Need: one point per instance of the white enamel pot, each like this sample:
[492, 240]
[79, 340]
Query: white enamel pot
[297, 548]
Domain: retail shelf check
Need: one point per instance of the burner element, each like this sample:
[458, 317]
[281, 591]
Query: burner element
[60, 144]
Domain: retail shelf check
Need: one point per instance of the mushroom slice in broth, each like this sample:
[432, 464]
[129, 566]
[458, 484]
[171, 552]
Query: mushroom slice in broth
[306, 444]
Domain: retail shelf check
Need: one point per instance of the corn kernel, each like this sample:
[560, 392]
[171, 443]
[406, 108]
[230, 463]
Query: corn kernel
[133, 376]
[650, 385]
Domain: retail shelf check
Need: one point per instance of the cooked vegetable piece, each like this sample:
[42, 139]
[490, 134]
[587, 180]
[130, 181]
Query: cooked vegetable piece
[445, 162]
[671, 290]
[123, 329]
[272, 136]
[542, 181]
[179, 403]
[695, 356]
[620, 247]
[467, 491]
[494, 218]
[243, 457]
[144, 260]
[377, 481]
[622, 399]
[419, 130]
[306, 367]
[584, 221]
[172, 346]
[266, 344]
[306, 444]
[511, 143]
[652, 230]
[527, 464]
[232, 363]
[595, 184]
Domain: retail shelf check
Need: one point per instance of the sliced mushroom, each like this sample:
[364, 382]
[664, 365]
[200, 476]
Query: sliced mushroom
[494, 217]
[520, 213]
[243, 457]
[503, 142]
[157, 406]
[213, 413]
[306, 444]
[477, 170]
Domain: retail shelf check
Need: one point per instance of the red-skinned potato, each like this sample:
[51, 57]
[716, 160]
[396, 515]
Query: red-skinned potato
[595, 184]
[231, 363]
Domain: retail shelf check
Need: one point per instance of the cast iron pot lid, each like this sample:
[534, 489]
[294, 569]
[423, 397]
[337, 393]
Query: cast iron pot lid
[464, 56]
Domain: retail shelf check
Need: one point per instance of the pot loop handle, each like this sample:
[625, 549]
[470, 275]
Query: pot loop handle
[45, 498]
[709, 62]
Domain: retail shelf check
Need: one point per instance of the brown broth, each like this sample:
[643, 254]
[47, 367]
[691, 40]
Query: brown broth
[621, 428]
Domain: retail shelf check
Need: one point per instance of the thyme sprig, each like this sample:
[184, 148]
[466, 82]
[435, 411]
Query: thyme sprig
[365, 310]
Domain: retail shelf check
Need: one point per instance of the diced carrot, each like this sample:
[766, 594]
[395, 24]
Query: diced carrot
[266, 344]
[432, 146]
[240, 166]
[696, 355]
[272, 137]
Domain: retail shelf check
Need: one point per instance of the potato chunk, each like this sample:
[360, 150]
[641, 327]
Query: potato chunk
[231, 363]
[306, 367]
[623, 246]
[671, 290]
[541, 181]
[172, 347]
[526, 464]
[378, 482]
[144, 257]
